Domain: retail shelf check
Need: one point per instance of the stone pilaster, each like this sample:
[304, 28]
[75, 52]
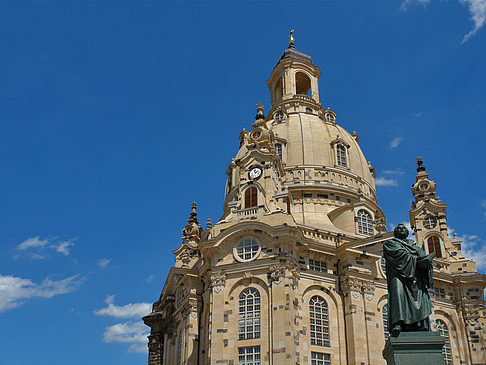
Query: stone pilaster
[476, 332]
[354, 316]
[218, 328]
[283, 279]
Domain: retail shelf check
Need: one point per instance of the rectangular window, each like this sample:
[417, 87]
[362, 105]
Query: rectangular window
[317, 266]
[341, 155]
[307, 195]
[249, 355]
[318, 358]
[325, 196]
[279, 150]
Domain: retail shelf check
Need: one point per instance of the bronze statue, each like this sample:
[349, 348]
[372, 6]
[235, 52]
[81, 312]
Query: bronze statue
[409, 274]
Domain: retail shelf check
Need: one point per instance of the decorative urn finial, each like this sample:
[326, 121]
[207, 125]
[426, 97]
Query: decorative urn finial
[260, 114]
[191, 230]
[291, 39]
[420, 164]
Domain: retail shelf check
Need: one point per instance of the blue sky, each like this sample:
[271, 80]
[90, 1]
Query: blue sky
[115, 116]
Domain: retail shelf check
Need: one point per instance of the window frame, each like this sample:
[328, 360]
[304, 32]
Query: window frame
[336, 145]
[251, 197]
[242, 243]
[436, 245]
[319, 322]
[248, 301]
[443, 329]
[324, 360]
[256, 351]
[363, 227]
[386, 323]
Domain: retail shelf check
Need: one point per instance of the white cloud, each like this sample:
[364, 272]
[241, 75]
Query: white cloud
[398, 172]
[103, 263]
[62, 247]
[124, 311]
[133, 332]
[150, 278]
[32, 242]
[14, 291]
[417, 115]
[383, 181]
[395, 142]
[37, 245]
[473, 247]
[477, 9]
[405, 3]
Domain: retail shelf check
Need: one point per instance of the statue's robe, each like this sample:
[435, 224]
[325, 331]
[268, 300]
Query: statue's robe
[409, 275]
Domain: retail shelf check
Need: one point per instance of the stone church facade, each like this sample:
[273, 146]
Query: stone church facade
[293, 273]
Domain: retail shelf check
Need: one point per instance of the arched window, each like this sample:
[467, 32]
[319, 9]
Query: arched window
[251, 199]
[341, 155]
[434, 245]
[365, 223]
[446, 350]
[249, 314]
[319, 322]
[302, 84]
[385, 321]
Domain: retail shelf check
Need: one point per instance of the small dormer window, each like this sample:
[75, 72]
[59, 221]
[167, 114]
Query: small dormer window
[308, 110]
[340, 150]
[341, 155]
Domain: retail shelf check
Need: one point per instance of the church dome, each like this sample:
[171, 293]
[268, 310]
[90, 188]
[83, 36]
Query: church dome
[327, 181]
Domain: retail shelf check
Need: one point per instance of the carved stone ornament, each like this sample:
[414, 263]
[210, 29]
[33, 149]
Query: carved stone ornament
[472, 314]
[154, 343]
[277, 273]
[368, 288]
[190, 308]
[351, 286]
[193, 307]
[380, 224]
[185, 257]
[218, 281]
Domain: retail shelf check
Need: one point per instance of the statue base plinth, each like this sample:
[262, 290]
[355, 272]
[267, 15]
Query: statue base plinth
[413, 348]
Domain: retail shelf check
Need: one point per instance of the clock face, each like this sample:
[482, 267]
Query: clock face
[255, 172]
[423, 186]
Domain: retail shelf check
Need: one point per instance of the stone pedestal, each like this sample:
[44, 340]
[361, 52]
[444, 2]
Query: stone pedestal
[415, 348]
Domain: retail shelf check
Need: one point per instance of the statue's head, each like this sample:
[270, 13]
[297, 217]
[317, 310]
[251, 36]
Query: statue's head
[400, 231]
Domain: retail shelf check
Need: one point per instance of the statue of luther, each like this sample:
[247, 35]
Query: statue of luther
[409, 273]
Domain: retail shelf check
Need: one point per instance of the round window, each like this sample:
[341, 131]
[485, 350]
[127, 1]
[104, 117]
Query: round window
[423, 186]
[247, 250]
[430, 222]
